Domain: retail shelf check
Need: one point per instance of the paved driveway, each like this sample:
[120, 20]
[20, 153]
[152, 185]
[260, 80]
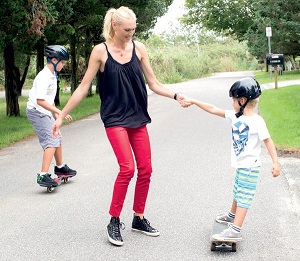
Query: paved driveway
[191, 184]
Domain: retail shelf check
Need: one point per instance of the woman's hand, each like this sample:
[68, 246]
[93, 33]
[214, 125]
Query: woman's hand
[55, 128]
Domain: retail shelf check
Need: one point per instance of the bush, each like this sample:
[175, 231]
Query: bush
[178, 62]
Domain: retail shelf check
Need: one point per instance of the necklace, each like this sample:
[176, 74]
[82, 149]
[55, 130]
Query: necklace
[122, 52]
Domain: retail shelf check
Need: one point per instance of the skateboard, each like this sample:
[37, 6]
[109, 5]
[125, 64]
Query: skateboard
[221, 245]
[58, 180]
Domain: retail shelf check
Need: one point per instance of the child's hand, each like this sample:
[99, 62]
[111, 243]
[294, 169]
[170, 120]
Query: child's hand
[69, 117]
[186, 102]
[181, 98]
[275, 170]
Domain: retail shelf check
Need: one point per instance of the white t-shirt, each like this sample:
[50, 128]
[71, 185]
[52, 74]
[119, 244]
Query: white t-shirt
[44, 87]
[248, 132]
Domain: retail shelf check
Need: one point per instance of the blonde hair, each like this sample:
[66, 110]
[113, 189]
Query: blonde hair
[253, 103]
[117, 15]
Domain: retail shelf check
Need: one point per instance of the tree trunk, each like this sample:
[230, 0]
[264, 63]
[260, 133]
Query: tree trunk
[293, 61]
[74, 79]
[40, 63]
[21, 79]
[11, 90]
[87, 52]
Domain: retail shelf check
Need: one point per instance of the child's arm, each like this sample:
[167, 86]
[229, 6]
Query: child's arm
[207, 107]
[273, 153]
[55, 111]
[47, 106]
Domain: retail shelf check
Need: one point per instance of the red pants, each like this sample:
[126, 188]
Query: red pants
[124, 141]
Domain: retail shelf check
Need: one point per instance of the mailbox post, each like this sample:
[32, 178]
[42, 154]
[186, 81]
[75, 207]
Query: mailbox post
[275, 60]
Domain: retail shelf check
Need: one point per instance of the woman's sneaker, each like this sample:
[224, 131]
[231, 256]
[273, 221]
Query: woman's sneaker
[143, 226]
[65, 170]
[224, 218]
[113, 231]
[46, 180]
[229, 234]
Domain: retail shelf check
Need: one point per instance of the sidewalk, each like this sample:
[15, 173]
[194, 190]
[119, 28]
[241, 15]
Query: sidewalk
[268, 86]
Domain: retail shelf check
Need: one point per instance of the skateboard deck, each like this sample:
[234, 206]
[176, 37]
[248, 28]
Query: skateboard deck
[58, 180]
[221, 245]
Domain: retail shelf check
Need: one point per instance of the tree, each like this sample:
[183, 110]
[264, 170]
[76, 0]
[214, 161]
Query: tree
[283, 18]
[228, 17]
[247, 20]
[26, 26]
[20, 26]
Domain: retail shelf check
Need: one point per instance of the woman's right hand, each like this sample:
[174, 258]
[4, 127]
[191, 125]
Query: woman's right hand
[55, 128]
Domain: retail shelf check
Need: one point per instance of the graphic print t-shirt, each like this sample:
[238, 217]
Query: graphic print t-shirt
[248, 132]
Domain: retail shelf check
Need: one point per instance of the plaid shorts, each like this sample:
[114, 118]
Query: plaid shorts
[245, 186]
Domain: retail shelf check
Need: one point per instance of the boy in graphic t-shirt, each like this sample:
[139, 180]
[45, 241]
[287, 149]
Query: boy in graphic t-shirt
[248, 131]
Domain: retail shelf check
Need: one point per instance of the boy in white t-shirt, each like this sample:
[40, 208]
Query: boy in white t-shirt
[248, 131]
[40, 110]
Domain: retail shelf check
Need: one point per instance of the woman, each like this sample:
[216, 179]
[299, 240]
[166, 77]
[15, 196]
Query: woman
[122, 64]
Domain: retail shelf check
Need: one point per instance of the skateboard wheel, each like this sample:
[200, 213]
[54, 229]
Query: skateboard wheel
[213, 247]
[66, 180]
[233, 248]
[49, 189]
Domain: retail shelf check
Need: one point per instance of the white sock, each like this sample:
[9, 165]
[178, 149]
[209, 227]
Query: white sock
[236, 228]
[231, 215]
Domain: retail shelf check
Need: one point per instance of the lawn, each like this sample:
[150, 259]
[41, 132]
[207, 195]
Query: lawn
[13, 129]
[281, 110]
[264, 77]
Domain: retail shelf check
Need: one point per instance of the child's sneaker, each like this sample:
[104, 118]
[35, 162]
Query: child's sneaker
[113, 231]
[228, 234]
[143, 225]
[64, 170]
[225, 219]
[46, 180]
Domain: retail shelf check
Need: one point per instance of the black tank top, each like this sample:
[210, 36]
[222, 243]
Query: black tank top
[123, 93]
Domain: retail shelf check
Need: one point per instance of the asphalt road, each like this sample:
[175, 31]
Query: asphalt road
[191, 184]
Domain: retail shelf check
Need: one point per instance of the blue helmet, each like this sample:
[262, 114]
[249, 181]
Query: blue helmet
[57, 51]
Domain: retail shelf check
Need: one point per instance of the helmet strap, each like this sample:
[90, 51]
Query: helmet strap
[242, 107]
[54, 65]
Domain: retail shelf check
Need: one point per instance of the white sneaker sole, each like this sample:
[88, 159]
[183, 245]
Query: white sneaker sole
[114, 242]
[226, 239]
[155, 234]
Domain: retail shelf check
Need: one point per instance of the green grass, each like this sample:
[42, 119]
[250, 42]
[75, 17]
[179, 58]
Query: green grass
[264, 77]
[13, 129]
[280, 108]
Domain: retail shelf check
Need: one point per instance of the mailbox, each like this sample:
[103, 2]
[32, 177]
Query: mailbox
[274, 59]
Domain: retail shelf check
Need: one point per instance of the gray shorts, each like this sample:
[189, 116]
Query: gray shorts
[42, 125]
